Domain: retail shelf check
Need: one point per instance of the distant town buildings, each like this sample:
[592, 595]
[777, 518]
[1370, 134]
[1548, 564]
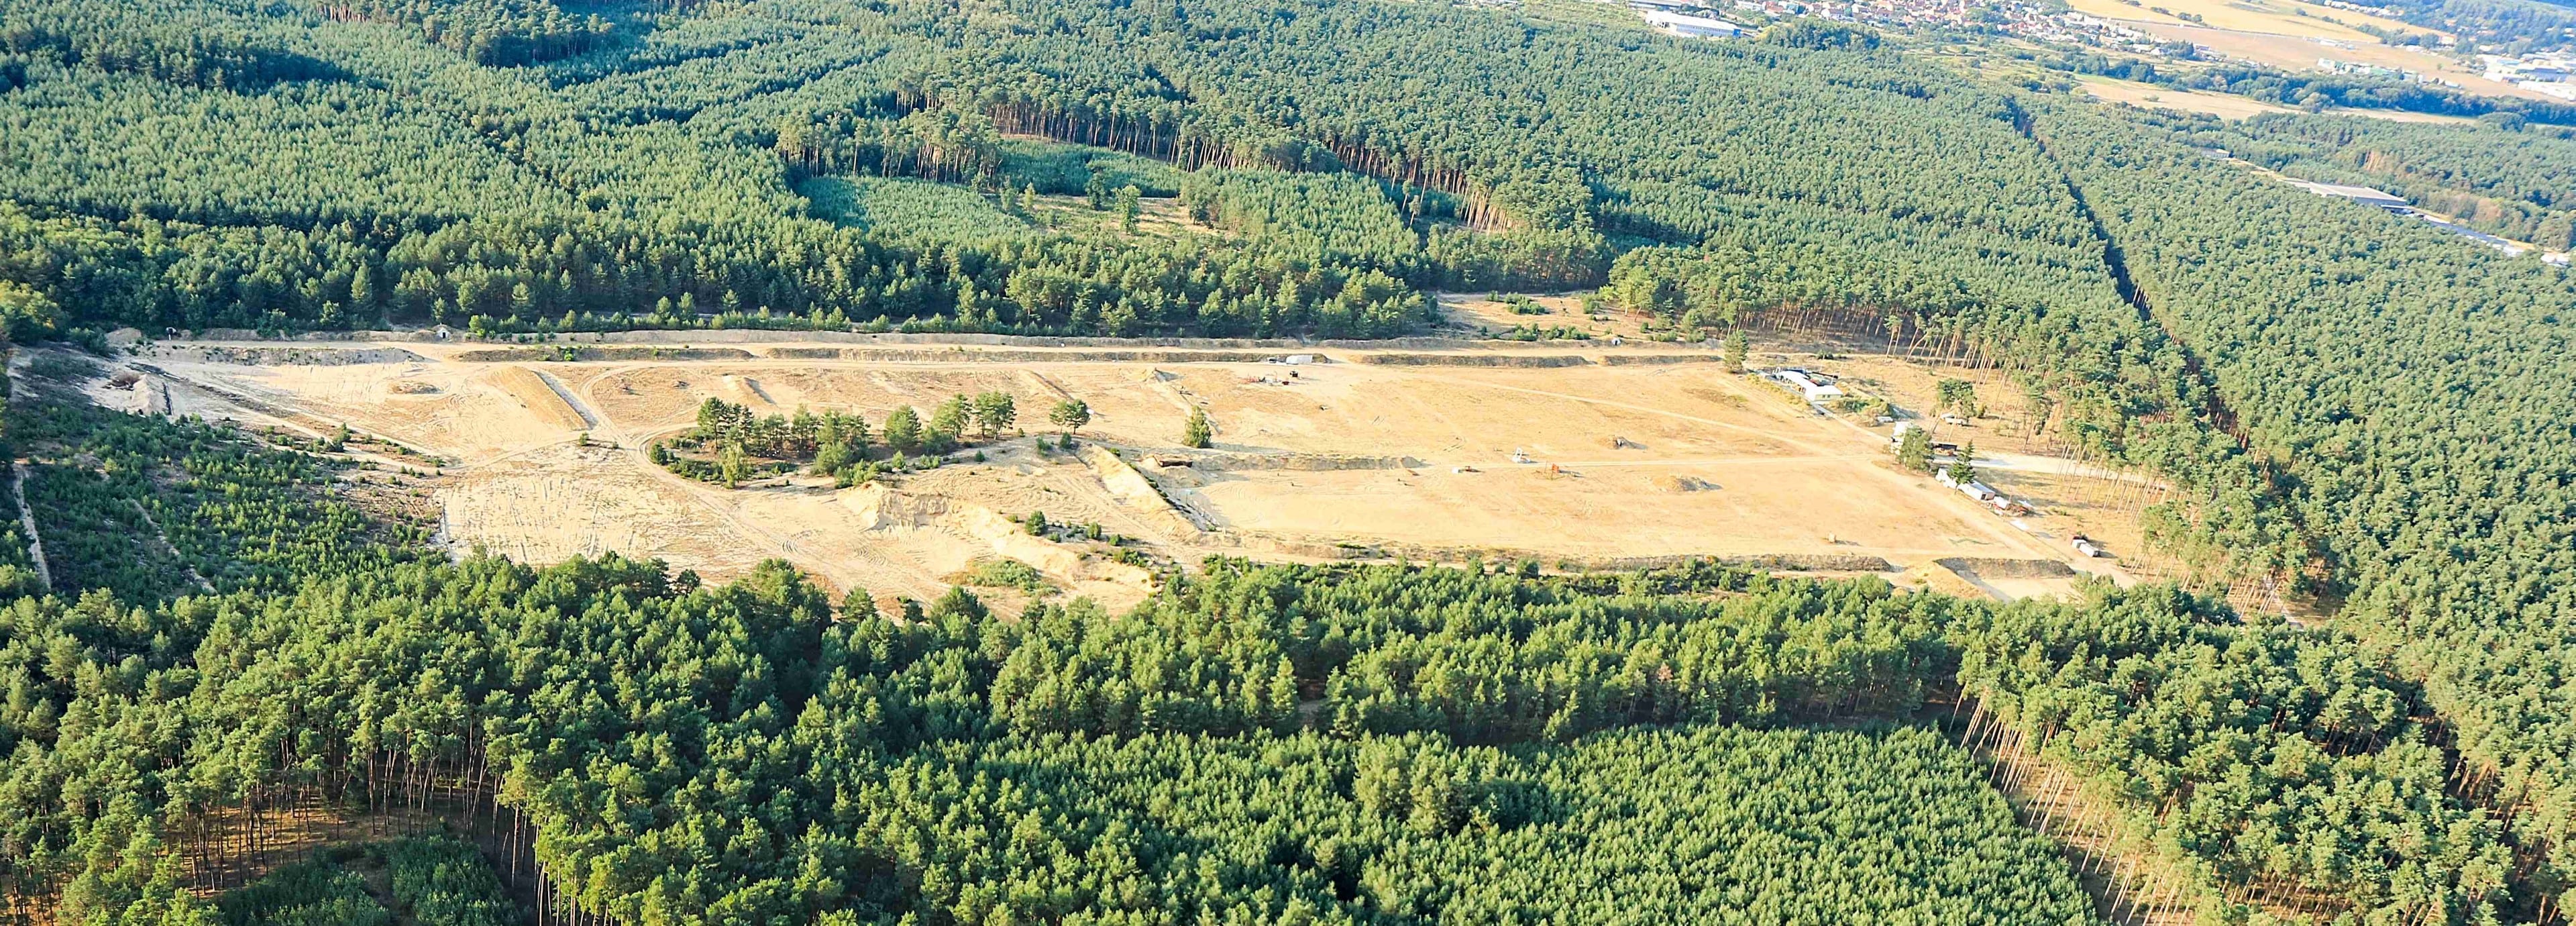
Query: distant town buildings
[2552, 73]
[1809, 384]
[2546, 72]
[2379, 11]
[2358, 69]
[1772, 7]
[2398, 204]
[2032, 21]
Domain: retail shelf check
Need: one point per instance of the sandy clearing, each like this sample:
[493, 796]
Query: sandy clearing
[1602, 513]
[563, 501]
[538, 397]
[2150, 96]
[465, 412]
[1479, 311]
[1624, 461]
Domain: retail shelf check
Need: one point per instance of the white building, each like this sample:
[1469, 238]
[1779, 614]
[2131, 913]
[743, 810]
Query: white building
[1816, 388]
[1692, 26]
[1975, 490]
[2360, 194]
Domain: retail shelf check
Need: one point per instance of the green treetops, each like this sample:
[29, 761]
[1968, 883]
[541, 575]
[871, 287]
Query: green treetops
[1914, 450]
[948, 423]
[1127, 207]
[27, 315]
[1198, 432]
[903, 429]
[1959, 395]
[1070, 416]
[994, 412]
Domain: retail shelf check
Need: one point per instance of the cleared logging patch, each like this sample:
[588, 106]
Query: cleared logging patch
[903, 206]
[1061, 169]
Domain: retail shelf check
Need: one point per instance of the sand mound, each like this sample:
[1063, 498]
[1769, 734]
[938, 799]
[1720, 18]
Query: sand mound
[288, 356]
[525, 386]
[1521, 361]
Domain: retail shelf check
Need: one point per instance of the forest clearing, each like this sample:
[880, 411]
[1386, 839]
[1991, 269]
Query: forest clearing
[1331, 462]
[1579, 457]
[2150, 96]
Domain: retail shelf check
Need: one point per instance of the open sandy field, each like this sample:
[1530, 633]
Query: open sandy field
[2228, 105]
[2150, 96]
[2069, 496]
[1581, 455]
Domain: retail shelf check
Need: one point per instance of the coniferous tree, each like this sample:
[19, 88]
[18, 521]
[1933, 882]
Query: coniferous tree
[1197, 432]
[903, 429]
[1914, 450]
[1070, 416]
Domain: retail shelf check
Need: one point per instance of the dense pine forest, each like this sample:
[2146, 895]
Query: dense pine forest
[2503, 181]
[2402, 390]
[1289, 743]
[1286, 743]
[274, 167]
[2359, 413]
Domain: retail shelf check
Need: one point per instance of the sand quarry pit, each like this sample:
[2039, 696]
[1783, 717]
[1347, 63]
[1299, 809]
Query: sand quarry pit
[1559, 455]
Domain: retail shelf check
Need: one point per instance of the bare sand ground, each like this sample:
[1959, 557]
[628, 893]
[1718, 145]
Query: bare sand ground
[2071, 496]
[2150, 96]
[1663, 455]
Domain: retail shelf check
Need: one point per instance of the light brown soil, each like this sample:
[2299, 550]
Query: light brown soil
[2150, 96]
[2069, 497]
[532, 394]
[2272, 17]
[1431, 446]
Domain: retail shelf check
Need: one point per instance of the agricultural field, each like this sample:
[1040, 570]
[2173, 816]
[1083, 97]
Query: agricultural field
[2283, 34]
[2299, 53]
[2150, 96]
[1560, 453]
[2271, 17]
